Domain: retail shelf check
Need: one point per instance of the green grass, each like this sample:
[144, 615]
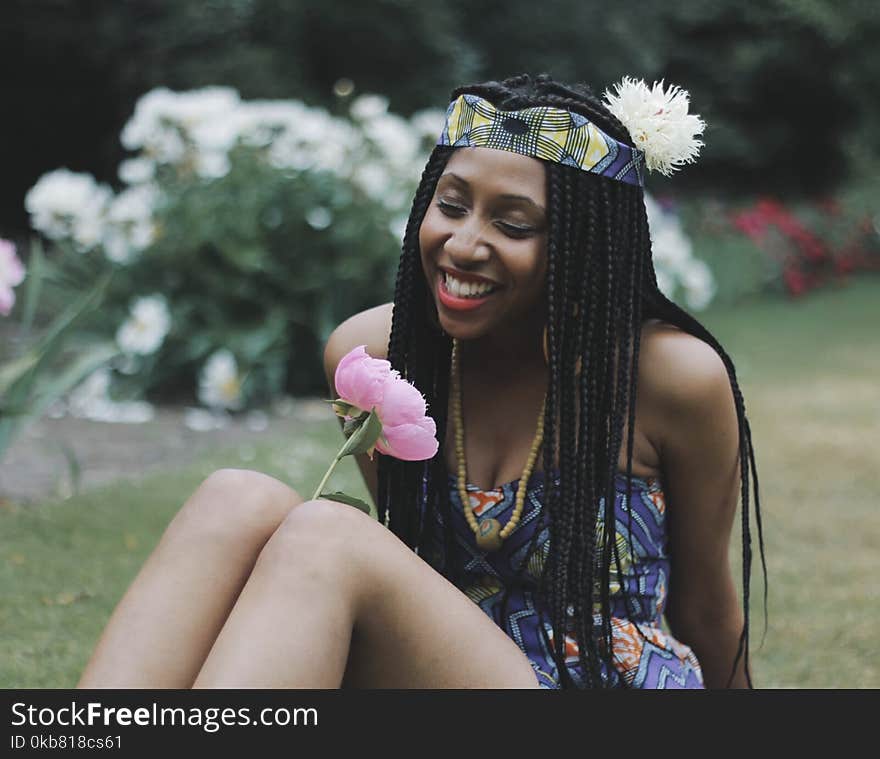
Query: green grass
[65, 564]
[808, 370]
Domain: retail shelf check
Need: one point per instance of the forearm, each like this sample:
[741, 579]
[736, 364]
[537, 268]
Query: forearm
[715, 641]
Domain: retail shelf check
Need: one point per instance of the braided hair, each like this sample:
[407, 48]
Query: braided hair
[600, 287]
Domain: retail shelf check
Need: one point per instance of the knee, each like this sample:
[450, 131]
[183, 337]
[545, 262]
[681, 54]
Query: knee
[318, 531]
[235, 504]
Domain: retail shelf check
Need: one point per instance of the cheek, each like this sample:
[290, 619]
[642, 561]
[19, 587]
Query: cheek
[428, 231]
[539, 266]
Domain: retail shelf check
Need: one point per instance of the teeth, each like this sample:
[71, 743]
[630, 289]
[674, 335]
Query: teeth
[466, 289]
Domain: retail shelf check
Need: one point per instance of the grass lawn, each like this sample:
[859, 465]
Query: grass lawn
[808, 370]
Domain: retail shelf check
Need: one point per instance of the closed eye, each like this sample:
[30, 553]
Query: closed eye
[450, 209]
[511, 230]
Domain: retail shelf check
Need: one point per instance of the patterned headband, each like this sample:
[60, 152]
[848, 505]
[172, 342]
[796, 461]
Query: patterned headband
[542, 132]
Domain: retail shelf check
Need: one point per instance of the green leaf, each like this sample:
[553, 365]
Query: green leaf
[35, 400]
[365, 437]
[36, 268]
[350, 500]
[341, 408]
[14, 370]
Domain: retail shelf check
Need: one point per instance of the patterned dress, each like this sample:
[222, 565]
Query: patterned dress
[644, 655]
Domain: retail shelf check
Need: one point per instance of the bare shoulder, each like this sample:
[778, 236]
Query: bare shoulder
[680, 373]
[371, 328]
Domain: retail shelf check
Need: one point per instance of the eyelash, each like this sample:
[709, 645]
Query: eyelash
[510, 230]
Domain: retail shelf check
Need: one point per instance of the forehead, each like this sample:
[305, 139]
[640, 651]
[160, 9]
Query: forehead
[499, 172]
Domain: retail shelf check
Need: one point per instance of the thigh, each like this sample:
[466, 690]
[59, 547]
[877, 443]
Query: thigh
[413, 628]
[165, 624]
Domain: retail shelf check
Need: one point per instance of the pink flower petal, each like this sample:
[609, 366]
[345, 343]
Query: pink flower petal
[360, 379]
[410, 442]
[11, 268]
[402, 403]
[7, 299]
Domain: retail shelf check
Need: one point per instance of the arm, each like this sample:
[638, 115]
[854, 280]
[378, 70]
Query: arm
[698, 446]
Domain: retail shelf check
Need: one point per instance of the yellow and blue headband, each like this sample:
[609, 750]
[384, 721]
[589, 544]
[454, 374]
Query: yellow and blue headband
[542, 132]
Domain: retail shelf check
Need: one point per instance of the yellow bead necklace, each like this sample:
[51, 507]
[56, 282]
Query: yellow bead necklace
[489, 535]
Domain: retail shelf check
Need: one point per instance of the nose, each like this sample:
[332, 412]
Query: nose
[466, 243]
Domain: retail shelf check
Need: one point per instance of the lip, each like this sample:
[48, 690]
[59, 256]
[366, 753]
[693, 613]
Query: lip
[453, 302]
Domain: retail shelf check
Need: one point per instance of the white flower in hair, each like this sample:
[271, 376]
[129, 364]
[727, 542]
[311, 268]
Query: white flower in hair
[658, 122]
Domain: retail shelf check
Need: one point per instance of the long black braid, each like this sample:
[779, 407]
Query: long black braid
[601, 287]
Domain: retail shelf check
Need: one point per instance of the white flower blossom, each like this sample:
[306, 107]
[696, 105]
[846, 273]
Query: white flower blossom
[137, 170]
[146, 327]
[699, 287]
[219, 382]
[130, 227]
[286, 153]
[91, 400]
[134, 205]
[163, 120]
[95, 386]
[259, 122]
[658, 121]
[212, 164]
[674, 262]
[215, 135]
[116, 245]
[68, 205]
[368, 106]
[395, 138]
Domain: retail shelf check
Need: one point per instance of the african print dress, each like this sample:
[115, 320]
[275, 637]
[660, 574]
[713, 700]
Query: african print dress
[644, 655]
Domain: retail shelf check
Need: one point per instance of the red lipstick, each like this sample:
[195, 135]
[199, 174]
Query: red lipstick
[454, 302]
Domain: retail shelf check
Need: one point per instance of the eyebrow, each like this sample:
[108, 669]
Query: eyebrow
[506, 196]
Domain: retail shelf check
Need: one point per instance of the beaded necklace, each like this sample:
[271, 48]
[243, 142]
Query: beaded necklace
[489, 534]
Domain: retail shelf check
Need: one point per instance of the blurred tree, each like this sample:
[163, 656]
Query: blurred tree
[80, 69]
[782, 83]
[762, 75]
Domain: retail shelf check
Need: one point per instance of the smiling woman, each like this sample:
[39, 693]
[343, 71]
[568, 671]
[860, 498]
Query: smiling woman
[592, 447]
[526, 290]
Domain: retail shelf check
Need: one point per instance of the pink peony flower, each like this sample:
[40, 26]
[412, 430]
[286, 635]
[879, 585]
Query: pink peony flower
[367, 382]
[11, 274]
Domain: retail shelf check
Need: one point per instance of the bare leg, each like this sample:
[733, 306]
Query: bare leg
[164, 626]
[335, 598]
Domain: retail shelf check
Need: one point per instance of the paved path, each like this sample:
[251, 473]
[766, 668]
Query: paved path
[36, 467]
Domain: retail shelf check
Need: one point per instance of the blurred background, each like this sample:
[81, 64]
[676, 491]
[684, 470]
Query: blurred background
[195, 194]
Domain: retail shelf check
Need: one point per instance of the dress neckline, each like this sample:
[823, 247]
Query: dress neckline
[643, 483]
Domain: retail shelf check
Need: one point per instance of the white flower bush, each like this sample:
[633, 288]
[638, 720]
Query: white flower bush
[254, 211]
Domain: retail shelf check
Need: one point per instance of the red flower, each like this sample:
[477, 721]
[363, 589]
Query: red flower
[795, 281]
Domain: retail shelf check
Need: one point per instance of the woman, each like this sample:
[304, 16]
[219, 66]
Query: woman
[525, 291]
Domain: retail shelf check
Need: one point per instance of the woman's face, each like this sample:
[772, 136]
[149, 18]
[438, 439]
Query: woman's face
[487, 222]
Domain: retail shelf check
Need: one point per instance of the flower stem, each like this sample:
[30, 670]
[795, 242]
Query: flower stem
[327, 474]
